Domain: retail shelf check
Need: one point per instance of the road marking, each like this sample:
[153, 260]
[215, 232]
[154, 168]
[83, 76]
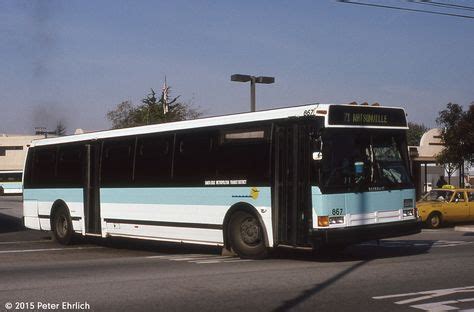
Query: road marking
[199, 258]
[436, 231]
[25, 242]
[168, 257]
[211, 259]
[431, 294]
[443, 243]
[202, 257]
[47, 249]
[238, 260]
[442, 305]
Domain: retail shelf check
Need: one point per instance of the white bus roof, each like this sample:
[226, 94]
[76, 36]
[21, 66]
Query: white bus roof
[271, 114]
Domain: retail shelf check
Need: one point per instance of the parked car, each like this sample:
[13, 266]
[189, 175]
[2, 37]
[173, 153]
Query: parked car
[446, 205]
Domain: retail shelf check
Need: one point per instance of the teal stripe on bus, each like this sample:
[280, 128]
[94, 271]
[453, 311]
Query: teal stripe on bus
[212, 196]
[50, 195]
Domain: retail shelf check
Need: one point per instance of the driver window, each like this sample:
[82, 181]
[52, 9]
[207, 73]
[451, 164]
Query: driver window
[471, 196]
[459, 197]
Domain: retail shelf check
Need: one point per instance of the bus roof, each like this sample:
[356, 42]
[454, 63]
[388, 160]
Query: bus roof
[315, 109]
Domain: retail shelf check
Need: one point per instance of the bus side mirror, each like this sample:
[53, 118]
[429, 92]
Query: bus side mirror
[317, 156]
[317, 147]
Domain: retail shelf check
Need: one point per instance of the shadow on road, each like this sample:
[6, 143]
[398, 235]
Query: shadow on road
[366, 251]
[10, 224]
[308, 293]
[362, 252]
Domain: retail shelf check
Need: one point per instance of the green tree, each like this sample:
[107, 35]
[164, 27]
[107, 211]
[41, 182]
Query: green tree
[122, 116]
[151, 111]
[415, 132]
[458, 136]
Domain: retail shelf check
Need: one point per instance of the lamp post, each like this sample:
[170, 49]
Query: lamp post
[253, 80]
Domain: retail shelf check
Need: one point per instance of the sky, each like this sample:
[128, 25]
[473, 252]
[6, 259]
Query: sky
[76, 60]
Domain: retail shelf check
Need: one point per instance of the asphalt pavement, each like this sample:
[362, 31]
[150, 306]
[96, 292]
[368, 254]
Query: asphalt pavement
[431, 271]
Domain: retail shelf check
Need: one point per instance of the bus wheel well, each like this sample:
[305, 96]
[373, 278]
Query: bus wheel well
[58, 204]
[241, 207]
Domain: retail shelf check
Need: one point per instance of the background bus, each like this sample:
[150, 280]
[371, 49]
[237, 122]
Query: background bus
[302, 176]
[10, 182]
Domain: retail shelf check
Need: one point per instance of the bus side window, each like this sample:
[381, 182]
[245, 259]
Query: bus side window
[117, 162]
[70, 166]
[153, 160]
[244, 155]
[44, 167]
[194, 157]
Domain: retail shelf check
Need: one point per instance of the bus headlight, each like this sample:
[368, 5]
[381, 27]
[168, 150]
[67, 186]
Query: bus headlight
[336, 220]
[408, 212]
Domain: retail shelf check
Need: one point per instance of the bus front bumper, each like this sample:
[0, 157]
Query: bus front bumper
[357, 234]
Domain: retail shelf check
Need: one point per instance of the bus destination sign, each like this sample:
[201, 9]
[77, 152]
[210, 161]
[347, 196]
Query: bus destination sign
[366, 116]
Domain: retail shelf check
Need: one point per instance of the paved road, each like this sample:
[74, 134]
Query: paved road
[430, 271]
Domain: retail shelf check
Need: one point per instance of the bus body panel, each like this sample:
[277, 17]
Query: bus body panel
[362, 208]
[191, 214]
[42, 200]
[176, 214]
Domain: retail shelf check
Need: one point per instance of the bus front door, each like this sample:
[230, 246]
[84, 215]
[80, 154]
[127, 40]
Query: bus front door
[91, 190]
[291, 185]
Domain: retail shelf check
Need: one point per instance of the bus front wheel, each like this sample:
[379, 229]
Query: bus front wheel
[246, 236]
[62, 226]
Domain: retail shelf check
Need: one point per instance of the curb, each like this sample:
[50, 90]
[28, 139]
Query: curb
[464, 228]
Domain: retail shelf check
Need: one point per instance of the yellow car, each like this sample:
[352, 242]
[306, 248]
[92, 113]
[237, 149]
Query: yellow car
[446, 204]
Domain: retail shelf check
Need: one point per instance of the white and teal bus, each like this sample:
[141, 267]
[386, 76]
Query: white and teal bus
[10, 182]
[303, 176]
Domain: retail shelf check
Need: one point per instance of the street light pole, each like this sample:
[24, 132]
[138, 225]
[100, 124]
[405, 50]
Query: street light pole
[253, 80]
[252, 94]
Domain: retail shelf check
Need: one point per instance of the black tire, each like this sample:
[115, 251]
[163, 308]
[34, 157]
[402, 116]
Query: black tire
[246, 236]
[61, 226]
[434, 220]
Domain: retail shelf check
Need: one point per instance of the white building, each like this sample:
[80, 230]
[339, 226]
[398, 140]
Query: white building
[13, 150]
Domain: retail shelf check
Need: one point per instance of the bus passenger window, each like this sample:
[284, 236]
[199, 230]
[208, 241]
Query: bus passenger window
[194, 158]
[117, 162]
[153, 160]
[244, 155]
[44, 167]
[70, 167]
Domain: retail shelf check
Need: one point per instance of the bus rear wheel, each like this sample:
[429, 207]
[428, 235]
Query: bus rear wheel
[246, 236]
[62, 226]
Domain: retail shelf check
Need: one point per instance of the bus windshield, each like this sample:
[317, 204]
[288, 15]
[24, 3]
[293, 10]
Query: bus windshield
[357, 161]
